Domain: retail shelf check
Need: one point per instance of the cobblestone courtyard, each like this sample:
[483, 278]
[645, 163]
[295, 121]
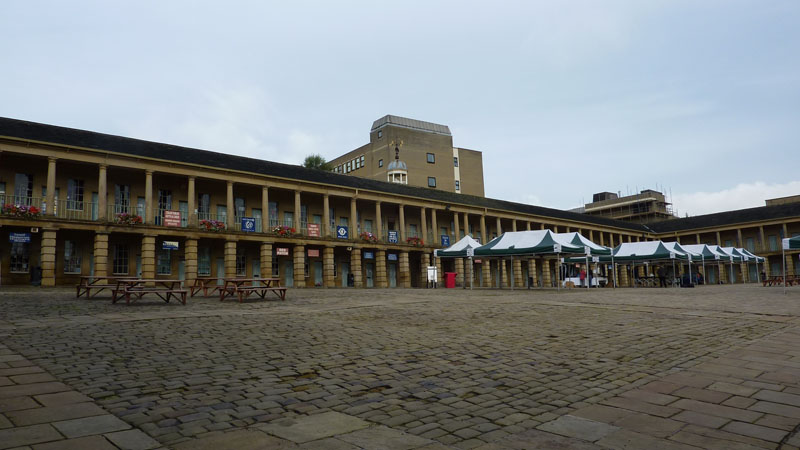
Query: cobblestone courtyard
[712, 367]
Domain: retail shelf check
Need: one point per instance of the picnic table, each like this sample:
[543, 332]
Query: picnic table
[777, 280]
[91, 283]
[243, 287]
[205, 284]
[137, 288]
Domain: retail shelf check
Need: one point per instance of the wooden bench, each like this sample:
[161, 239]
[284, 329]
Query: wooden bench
[164, 289]
[88, 284]
[244, 287]
[205, 284]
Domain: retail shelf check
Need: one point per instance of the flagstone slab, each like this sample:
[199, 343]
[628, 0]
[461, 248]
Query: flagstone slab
[311, 428]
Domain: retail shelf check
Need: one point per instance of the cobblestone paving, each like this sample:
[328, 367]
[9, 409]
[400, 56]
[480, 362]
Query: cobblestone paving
[453, 367]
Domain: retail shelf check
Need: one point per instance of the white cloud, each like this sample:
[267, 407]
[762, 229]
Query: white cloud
[745, 195]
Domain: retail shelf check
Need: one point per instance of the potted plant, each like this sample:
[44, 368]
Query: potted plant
[28, 212]
[369, 237]
[415, 241]
[127, 219]
[212, 225]
[284, 231]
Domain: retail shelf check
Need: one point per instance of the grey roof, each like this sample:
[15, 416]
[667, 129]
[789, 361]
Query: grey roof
[410, 123]
[396, 164]
[738, 216]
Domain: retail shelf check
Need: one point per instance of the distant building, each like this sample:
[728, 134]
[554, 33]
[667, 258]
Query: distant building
[644, 207]
[783, 200]
[428, 157]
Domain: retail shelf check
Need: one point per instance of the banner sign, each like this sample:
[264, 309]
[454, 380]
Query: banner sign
[595, 259]
[19, 238]
[557, 248]
[369, 255]
[470, 252]
[341, 232]
[282, 251]
[393, 237]
[248, 224]
[392, 256]
[172, 218]
[445, 241]
[170, 245]
[313, 253]
[313, 229]
[476, 261]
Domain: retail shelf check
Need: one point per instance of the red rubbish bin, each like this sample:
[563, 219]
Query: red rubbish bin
[449, 280]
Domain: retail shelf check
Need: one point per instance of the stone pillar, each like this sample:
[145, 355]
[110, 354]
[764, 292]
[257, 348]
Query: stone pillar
[51, 186]
[435, 226]
[790, 263]
[191, 200]
[381, 279]
[326, 216]
[299, 266]
[402, 214]
[149, 216]
[265, 218]
[355, 266]
[266, 260]
[439, 274]
[723, 272]
[532, 270]
[425, 238]
[528, 226]
[611, 240]
[513, 224]
[456, 228]
[517, 269]
[425, 261]
[148, 256]
[102, 193]
[353, 232]
[503, 273]
[230, 218]
[48, 257]
[378, 221]
[640, 269]
[190, 256]
[546, 278]
[327, 268]
[623, 274]
[459, 268]
[499, 229]
[466, 223]
[405, 270]
[297, 212]
[230, 259]
[483, 230]
[101, 254]
[486, 273]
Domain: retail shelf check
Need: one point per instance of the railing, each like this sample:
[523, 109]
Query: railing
[72, 210]
[29, 207]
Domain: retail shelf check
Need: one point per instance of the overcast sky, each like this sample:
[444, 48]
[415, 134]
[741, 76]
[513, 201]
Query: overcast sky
[564, 98]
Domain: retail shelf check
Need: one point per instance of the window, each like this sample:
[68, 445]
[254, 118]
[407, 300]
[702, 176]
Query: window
[275, 270]
[140, 207]
[23, 188]
[750, 244]
[455, 161]
[204, 261]
[19, 257]
[332, 218]
[203, 206]
[75, 195]
[412, 231]
[122, 198]
[120, 264]
[288, 218]
[728, 243]
[183, 207]
[432, 182]
[258, 219]
[458, 185]
[431, 158]
[241, 264]
[343, 221]
[361, 164]
[222, 213]
[72, 258]
[773, 243]
[239, 207]
[368, 225]
[164, 265]
[380, 163]
[164, 204]
[273, 214]
[380, 134]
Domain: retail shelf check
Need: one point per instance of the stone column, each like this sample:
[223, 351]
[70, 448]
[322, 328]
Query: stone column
[102, 193]
[486, 273]
[190, 256]
[459, 268]
[723, 272]
[51, 186]
[503, 273]
[191, 200]
[327, 268]
[483, 229]
[297, 212]
[353, 232]
[456, 228]
[148, 256]
[149, 216]
[763, 246]
[378, 221]
[790, 263]
[546, 278]
[623, 275]
[381, 279]
[405, 270]
[513, 224]
[101, 254]
[516, 266]
[435, 227]
[48, 257]
[266, 260]
[425, 238]
[425, 261]
[230, 218]
[265, 218]
[326, 216]
[299, 266]
[611, 240]
[591, 235]
[466, 223]
[355, 267]
[402, 214]
[230, 259]
[532, 270]
[439, 274]
[528, 225]
[499, 228]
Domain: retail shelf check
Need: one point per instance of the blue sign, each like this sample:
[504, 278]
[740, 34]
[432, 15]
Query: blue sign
[369, 255]
[341, 232]
[248, 224]
[445, 241]
[392, 256]
[170, 245]
[393, 237]
[19, 238]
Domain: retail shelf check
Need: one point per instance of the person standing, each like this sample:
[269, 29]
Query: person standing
[583, 276]
[662, 276]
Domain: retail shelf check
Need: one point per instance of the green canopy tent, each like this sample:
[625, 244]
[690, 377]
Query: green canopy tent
[706, 254]
[750, 256]
[646, 252]
[591, 249]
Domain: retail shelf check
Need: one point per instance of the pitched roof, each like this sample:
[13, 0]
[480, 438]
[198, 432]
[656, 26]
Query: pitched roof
[410, 123]
[738, 216]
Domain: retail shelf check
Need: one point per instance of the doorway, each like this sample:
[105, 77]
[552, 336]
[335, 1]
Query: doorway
[318, 273]
[345, 271]
[393, 275]
[369, 268]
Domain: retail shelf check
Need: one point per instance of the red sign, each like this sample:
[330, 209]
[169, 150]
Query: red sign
[172, 218]
[476, 261]
[282, 251]
[313, 230]
[313, 253]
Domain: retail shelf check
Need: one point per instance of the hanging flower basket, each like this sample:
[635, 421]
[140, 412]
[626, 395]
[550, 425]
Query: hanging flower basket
[127, 219]
[212, 225]
[284, 231]
[415, 241]
[369, 237]
[28, 212]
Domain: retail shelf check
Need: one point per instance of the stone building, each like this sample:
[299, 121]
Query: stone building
[72, 202]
